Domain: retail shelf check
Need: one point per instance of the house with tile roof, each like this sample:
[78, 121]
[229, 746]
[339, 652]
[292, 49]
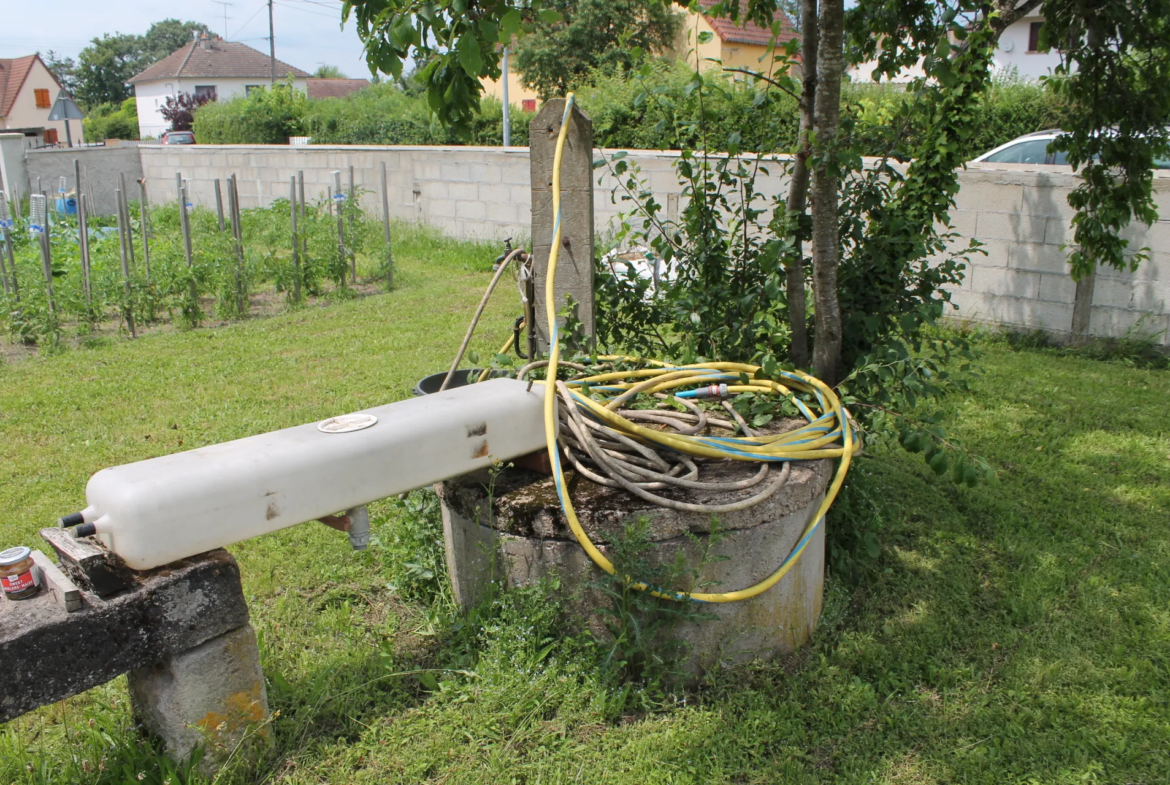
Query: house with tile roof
[28, 90]
[739, 44]
[206, 66]
[321, 87]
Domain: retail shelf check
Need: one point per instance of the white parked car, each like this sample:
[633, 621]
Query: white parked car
[1033, 149]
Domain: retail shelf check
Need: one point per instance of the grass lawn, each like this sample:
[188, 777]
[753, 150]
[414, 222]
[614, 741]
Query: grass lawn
[1017, 632]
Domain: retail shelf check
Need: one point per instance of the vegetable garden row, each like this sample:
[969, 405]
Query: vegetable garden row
[164, 260]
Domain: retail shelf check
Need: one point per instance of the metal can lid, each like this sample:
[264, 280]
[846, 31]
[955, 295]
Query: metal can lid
[14, 555]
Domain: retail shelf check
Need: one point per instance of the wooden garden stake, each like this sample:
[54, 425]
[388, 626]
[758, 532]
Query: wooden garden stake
[129, 226]
[386, 230]
[296, 256]
[83, 235]
[219, 204]
[144, 220]
[5, 226]
[128, 309]
[185, 225]
[237, 242]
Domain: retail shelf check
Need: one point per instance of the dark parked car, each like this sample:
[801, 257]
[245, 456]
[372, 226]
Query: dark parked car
[178, 137]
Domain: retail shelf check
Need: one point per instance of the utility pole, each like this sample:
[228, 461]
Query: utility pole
[225, 16]
[507, 109]
[271, 45]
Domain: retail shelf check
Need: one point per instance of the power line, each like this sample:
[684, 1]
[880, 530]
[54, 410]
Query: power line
[250, 18]
[307, 11]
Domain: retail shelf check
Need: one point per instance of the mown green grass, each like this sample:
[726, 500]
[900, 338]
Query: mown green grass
[1017, 632]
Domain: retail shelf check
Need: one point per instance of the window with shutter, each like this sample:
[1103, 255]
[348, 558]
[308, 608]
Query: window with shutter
[42, 97]
[50, 135]
[528, 104]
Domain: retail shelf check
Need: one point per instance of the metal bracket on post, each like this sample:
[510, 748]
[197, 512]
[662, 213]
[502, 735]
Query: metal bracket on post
[575, 268]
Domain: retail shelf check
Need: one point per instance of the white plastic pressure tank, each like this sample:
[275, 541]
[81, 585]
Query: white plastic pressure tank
[157, 511]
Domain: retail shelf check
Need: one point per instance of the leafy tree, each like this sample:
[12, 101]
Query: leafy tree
[329, 72]
[1116, 61]
[105, 66]
[64, 68]
[166, 36]
[591, 35]
[180, 111]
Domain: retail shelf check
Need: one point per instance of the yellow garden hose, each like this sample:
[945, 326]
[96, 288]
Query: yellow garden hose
[829, 435]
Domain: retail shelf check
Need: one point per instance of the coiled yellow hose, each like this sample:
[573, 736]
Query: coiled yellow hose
[818, 439]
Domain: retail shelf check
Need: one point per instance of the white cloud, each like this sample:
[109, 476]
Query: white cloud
[307, 32]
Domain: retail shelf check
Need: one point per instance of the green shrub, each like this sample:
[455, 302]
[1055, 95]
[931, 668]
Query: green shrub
[263, 117]
[105, 121]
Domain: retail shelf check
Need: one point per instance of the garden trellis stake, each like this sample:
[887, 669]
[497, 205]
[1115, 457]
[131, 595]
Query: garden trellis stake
[349, 210]
[185, 224]
[144, 222]
[83, 237]
[127, 308]
[219, 204]
[386, 230]
[296, 257]
[38, 224]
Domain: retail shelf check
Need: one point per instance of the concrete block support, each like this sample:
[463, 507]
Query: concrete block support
[575, 263]
[212, 695]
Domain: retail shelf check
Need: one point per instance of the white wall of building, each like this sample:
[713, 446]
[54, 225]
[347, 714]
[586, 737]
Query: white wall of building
[151, 96]
[1013, 51]
[24, 112]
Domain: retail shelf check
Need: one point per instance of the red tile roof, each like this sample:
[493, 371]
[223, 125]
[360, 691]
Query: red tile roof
[334, 88]
[744, 32]
[222, 59]
[12, 75]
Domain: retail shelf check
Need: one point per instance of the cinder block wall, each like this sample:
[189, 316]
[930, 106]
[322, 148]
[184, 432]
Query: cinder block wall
[1019, 213]
[101, 164]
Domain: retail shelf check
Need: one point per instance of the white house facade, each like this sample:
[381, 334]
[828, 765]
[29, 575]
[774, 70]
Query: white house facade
[1018, 51]
[208, 66]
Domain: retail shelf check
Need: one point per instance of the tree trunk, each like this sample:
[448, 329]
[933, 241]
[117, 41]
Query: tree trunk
[798, 189]
[825, 241]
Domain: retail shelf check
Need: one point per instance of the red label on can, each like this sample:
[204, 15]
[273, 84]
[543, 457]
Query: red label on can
[17, 583]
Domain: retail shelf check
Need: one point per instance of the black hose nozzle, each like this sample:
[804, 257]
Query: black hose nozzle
[84, 530]
[72, 519]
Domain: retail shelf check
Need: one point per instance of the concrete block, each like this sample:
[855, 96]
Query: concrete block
[211, 695]
[1146, 296]
[1047, 201]
[463, 191]
[50, 655]
[471, 211]
[457, 171]
[1038, 257]
[963, 222]
[995, 253]
[1058, 288]
[982, 194]
[494, 194]
[485, 172]
[1057, 231]
[1016, 227]
[1005, 281]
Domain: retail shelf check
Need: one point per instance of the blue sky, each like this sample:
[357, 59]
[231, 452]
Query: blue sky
[307, 31]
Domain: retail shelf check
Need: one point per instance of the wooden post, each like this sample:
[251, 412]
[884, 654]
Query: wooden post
[128, 308]
[83, 243]
[237, 243]
[5, 220]
[219, 204]
[386, 230]
[350, 209]
[47, 258]
[296, 255]
[185, 225]
[144, 221]
[301, 197]
[575, 263]
[129, 227]
[1083, 309]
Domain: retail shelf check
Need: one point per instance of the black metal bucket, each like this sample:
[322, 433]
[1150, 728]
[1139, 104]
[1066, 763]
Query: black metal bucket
[463, 376]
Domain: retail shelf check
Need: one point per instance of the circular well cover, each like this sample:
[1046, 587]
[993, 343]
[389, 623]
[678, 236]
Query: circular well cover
[347, 423]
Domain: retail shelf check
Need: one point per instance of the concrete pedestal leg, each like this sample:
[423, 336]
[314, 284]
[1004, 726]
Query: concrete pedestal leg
[212, 695]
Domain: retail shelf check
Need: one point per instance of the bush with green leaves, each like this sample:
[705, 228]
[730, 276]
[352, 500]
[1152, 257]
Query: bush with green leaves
[110, 121]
